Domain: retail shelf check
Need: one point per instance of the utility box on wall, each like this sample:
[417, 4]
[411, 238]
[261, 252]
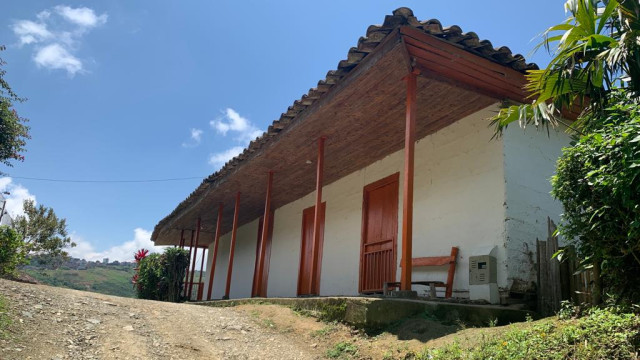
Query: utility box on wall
[483, 279]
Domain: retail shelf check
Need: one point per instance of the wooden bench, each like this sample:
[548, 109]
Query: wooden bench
[431, 261]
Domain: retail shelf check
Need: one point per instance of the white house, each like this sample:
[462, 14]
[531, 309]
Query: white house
[396, 146]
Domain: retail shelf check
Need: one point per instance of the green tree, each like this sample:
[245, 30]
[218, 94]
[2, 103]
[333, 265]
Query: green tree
[598, 182]
[11, 251]
[594, 52]
[14, 132]
[42, 231]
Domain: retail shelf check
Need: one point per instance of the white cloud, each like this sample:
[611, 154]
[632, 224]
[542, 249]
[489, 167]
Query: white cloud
[221, 158]
[16, 197]
[122, 252]
[232, 121]
[55, 56]
[81, 16]
[56, 42]
[196, 137]
[30, 32]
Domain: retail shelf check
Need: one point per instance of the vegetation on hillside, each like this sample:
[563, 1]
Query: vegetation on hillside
[111, 280]
[599, 334]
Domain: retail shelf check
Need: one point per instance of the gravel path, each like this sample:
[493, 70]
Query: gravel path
[57, 323]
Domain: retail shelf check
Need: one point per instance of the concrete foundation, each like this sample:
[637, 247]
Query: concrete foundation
[376, 313]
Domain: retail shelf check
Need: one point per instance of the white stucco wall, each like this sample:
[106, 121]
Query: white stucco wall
[529, 161]
[243, 263]
[469, 192]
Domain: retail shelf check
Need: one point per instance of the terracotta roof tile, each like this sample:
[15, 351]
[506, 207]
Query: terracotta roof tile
[375, 34]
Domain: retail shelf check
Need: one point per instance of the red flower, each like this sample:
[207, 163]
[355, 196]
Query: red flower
[141, 254]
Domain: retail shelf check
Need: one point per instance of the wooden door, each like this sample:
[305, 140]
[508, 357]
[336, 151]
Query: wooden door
[306, 251]
[379, 234]
[259, 288]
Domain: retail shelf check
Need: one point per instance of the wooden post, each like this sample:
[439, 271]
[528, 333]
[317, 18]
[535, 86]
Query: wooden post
[182, 239]
[195, 256]
[265, 231]
[316, 216]
[234, 232]
[407, 193]
[216, 240]
[186, 279]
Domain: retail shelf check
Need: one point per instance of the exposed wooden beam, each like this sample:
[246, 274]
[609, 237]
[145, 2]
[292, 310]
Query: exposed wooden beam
[407, 193]
[316, 215]
[216, 242]
[265, 230]
[234, 233]
[195, 256]
[182, 239]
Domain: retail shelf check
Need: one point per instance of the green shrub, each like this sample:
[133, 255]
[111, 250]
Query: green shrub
[11, 252]
[160, 276]
[598, 183]
[342, 350]
[175, 266]
[600, 334]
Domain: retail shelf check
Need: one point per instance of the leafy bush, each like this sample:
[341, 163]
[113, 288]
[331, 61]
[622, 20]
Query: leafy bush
[598, 183]
[160, 276]
[600, 334]
[11, 253]
[149, 279]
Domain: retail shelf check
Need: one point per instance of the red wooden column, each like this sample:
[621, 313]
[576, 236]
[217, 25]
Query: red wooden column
[316, 214]
[186, 280]
[265, 230]
[195, 256]
[216, 240]
[407, 190]
[182, 239]
[234, 232]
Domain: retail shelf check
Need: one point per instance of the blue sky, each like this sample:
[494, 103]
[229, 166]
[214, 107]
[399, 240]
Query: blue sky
[166, 89]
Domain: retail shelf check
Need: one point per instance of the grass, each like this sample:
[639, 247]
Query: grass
[104, 280]
[5, 320]
[342, 350]
[324, 331]
[599, 334]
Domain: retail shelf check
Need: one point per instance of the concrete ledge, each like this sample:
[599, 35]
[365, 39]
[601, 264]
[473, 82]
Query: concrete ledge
[376, 313]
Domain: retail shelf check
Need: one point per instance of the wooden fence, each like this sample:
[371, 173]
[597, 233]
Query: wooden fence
[558, 281]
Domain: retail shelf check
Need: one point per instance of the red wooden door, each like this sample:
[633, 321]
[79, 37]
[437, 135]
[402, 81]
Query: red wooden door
[259, 288]
[304, 274]
[379, 234]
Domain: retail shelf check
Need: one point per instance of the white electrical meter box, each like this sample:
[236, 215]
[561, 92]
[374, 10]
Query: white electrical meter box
[483, 279]
[482, 270]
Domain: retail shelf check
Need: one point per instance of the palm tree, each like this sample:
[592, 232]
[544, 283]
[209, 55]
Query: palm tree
[595, 51]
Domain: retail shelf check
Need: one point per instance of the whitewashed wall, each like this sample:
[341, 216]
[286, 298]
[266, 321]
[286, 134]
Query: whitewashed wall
[529, 161]
[469, 192]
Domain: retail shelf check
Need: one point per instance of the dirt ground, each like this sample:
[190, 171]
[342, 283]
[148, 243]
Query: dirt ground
[57, 323]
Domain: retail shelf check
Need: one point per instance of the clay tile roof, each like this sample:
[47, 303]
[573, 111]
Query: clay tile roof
[403, 16]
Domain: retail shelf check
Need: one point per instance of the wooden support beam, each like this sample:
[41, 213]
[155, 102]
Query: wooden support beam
[186, 279]
[216, 241]
[234, 232]
[265, 230]
[182, 239]
[195, 256]
[407, 193]
[316, 217]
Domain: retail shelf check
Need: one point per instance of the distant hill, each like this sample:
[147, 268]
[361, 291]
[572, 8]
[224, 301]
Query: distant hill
[107, 278]
[113, 280]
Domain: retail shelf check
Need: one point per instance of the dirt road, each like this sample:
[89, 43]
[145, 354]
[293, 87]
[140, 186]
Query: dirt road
[56, 323]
